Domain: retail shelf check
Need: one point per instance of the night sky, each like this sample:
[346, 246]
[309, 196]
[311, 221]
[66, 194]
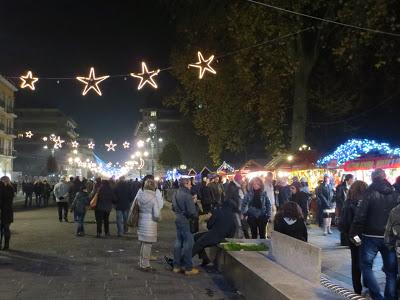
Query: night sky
[65, 38]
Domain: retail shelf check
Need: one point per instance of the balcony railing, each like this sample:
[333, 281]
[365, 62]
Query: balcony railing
[9, 108]
[2, 126]
[6, 151]
[9, 131]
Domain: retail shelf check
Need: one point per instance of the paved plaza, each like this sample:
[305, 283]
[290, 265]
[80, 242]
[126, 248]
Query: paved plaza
[48, 262]
[336, 260]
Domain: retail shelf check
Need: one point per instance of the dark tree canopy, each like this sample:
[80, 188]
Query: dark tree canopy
[170, 156]
[278, 93]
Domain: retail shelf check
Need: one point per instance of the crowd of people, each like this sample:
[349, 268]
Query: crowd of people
[211, 209]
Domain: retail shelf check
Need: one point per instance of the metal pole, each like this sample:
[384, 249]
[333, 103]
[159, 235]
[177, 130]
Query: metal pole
[152, 158]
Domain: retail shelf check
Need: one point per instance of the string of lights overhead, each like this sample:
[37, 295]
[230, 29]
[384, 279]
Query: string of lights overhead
[146, 77]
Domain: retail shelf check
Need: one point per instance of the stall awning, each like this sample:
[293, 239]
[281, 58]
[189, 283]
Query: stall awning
[369, 163]
[300, 160]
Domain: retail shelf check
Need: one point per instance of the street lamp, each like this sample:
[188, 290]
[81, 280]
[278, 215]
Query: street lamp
[140, 144]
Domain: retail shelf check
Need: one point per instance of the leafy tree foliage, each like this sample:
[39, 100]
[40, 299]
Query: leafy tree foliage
[270, 93]
[170, 156]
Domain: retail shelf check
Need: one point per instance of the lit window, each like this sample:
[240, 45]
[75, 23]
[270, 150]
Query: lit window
[153, 114]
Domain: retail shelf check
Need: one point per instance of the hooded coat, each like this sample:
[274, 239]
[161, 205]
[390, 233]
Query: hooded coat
[374, 209]
[149, 213]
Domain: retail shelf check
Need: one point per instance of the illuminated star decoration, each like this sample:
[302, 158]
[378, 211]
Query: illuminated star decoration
[92, 82]
[146, 76]
[126, 145]
[29, 134]
[28, 81]
[111, 146]
[91, 145]
[203, 65]
[74, 144]
[109, 165]
[58, 142]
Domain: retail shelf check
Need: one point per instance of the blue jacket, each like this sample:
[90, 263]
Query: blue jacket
[183, 206]
[248, 208]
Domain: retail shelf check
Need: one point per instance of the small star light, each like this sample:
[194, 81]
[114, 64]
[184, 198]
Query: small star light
[58, 142]
[109, 165]
[91, 145]
[203, 65]
[146, 77]
[92, 82]
[111, 146]
[75, 144]
[126, 145]
[28, 81]
[29, 134]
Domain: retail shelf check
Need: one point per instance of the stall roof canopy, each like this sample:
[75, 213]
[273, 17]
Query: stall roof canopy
[300, 160]
[253, 165]
[355, 149]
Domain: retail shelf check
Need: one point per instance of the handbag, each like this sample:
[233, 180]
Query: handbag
[93, 202]
[133, 216]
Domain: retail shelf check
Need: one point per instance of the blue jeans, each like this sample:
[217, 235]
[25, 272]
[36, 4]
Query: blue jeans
[79, 220]
[369, 248]
[183, 246]
[122, 219]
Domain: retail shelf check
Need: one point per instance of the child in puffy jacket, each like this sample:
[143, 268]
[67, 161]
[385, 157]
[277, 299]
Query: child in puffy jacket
[78, 206]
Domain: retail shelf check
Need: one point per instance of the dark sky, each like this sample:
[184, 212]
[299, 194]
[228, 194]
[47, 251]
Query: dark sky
[65, 38]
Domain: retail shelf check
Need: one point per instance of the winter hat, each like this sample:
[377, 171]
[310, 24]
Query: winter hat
[238, 178]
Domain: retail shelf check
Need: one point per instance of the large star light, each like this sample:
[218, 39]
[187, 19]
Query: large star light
[203, 65]
[29, 134]
[58, 142]
[28, 81]
[110, 146]
[91, 82]
[146, 77]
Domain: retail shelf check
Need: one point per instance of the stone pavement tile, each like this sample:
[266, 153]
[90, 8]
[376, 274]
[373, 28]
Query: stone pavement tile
[49, 262]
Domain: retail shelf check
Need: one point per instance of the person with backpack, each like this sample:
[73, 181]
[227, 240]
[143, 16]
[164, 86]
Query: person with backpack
[353, 200]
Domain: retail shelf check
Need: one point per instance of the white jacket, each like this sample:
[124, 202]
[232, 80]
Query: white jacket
[150, 205]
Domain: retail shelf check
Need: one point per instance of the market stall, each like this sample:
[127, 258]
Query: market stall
[253, 168]
[361, 156]
[300, 163]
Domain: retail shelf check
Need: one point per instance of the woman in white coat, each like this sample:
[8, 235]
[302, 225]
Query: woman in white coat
[150, 205]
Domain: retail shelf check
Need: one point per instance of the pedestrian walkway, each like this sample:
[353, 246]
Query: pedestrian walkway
[336, 260]
[48, 262]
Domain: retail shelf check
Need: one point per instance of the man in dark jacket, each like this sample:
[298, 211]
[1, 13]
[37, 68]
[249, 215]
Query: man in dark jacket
[205, 197]
[340, 199]
[369, 225]
[220, 226]
[185, 210]
[28, 190]
[123, 198]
